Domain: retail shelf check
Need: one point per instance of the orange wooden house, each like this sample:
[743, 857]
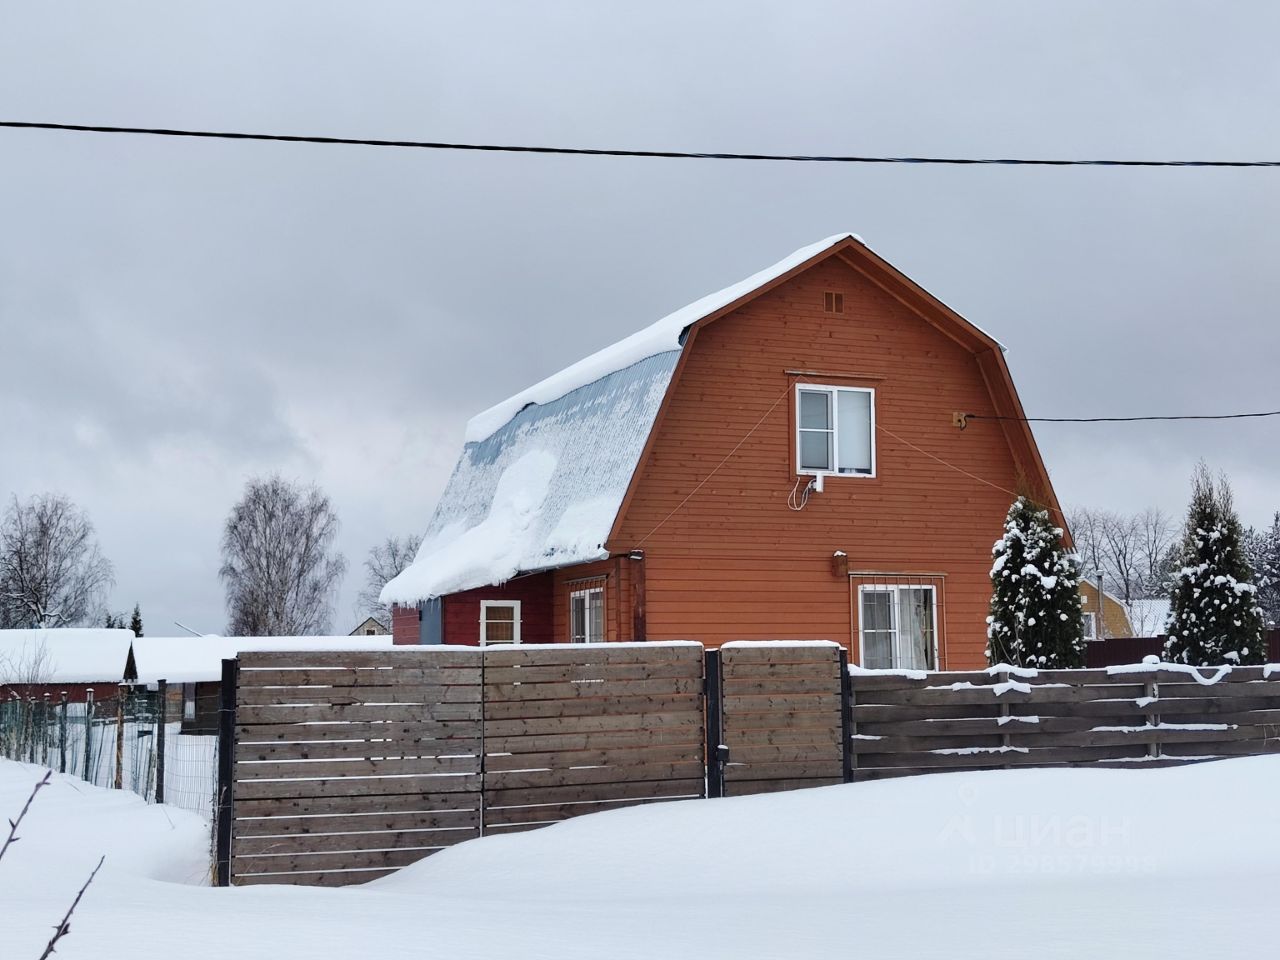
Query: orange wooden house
[783, 459]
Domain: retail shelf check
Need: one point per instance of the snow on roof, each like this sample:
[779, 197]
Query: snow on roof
[198, 659]
[64, 656]
[541, 492]
[1149, 617]
[656, 338]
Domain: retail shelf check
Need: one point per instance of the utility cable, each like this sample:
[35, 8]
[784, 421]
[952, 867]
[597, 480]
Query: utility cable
[619, 152]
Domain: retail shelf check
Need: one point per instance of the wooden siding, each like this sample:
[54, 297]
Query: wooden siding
[1115, 621]
[733, 562]
[461, 612]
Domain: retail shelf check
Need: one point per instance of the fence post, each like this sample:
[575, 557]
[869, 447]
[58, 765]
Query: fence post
[118, 780]
[162, 692]
[1152, 691]
[226, 770]
[846, 716]
[716, 752]
[62, 735]
[88, 733]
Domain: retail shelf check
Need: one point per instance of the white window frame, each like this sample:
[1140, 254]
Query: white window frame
[1090, 632]
[585, 593]
[897, 633]
[484, 620]
[835, 430]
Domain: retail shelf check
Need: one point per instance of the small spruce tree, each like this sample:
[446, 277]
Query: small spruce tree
[135, 622]
[1215, 617]
[1035, 594]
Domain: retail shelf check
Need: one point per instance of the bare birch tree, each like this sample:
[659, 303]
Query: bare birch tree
[1122, 556]
[1157, 531]
[386, 560]
[278, 565]
[52, 573]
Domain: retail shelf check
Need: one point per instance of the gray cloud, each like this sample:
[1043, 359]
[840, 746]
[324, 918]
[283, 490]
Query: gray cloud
[175, 316]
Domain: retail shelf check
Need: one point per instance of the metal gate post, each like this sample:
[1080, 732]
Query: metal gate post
[846, 716]
[226, 770]
[162, 694]
[716, 752]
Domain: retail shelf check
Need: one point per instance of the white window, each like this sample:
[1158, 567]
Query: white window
[586, 615]
[899, 627]
[1090, 624]
[835, 430]
[499, 621]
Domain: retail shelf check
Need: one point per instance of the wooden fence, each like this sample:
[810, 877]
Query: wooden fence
[783, 725]
[577, 729]
[1124, 716]
[350, 765]
[336, 768]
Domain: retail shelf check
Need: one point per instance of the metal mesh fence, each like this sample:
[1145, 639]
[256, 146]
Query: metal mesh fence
[114, 743]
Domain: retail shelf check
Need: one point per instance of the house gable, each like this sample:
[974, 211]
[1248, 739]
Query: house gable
[725, 556]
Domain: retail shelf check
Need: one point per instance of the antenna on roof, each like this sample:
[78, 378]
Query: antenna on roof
[188, 629]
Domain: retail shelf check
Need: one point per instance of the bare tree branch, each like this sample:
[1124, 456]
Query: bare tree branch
[64, 927]
[385, 561]
[52, 573]
[277, 566]
[13, 824]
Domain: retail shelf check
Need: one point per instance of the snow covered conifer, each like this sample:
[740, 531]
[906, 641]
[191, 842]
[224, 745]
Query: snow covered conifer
[1262, 548]
[1215, 616]
[1035, 594]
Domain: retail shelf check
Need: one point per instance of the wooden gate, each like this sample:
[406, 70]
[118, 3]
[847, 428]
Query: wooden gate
[783, 719]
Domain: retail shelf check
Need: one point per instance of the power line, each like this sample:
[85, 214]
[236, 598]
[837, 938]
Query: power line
[648, 154]
[1185, 416]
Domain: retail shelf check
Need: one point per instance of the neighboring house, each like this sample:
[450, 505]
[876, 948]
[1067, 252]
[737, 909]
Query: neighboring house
[1114, 621]
[372, 627]
[783, 459]
[83, 663]
[43, 664]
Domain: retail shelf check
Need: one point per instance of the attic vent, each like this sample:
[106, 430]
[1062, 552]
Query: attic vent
[833, 302]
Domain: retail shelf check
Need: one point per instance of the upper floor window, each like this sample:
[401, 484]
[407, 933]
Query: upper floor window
[835, 430]
[1089, 622]
[499, 621]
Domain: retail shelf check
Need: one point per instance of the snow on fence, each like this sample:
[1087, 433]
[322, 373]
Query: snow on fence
[1147, 714]
[341, 767]
[92, 738]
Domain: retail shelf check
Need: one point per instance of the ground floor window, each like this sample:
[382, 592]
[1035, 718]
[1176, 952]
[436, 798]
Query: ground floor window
[899, 627]
[586, 615]
[499, 621]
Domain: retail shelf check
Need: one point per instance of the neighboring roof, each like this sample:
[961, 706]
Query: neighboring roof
[64, 656]
[1093, 583]
[543, 490]
[544, 474]
[199, 659]
[102, 656]
[1150, 617]
[365, 624]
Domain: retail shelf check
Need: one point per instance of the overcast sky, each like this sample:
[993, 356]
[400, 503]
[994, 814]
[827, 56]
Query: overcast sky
[176, 316]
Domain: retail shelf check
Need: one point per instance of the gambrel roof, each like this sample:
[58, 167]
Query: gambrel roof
[544, 474]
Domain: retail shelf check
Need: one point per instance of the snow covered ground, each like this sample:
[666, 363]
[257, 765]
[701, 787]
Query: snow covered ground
[1036, 863]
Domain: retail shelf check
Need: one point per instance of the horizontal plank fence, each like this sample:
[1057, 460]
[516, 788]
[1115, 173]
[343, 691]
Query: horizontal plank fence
[782, 723]
[586, 728]
[1141, 715]
[340, 767]
[350, 765]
